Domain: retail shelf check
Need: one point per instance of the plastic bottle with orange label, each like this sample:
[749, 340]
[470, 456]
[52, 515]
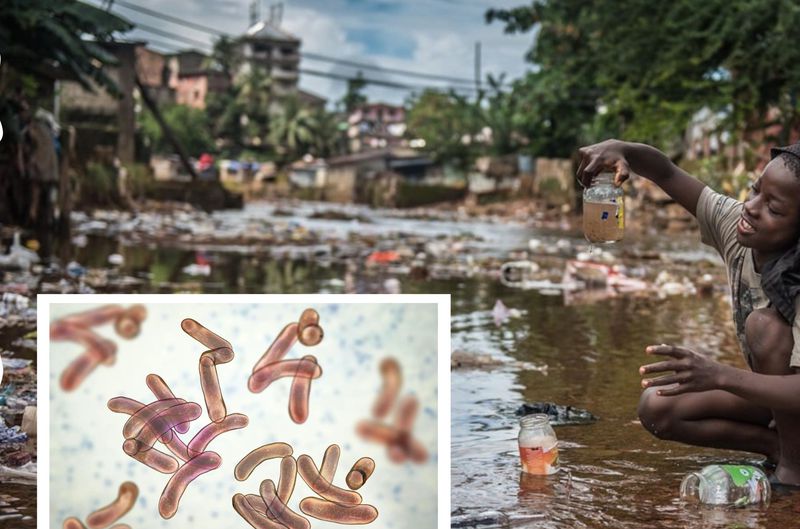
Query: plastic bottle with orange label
[538, 445]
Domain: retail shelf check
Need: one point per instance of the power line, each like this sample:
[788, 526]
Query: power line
[172, 36]
[173, 47]
[355, 64]
[377, 82]
[309, 55]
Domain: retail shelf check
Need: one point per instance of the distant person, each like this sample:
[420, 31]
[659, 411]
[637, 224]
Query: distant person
[701, 401]
[40, 155]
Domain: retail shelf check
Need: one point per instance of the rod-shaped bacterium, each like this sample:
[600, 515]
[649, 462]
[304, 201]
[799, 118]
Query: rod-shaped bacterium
[309, 333]
[200, 441]
[299, 395]
[360, 473]
[73, 523]
[279, 347]
[129, 322]
[278, 509]
[330, 460]
[392, 380]
[203, 335]
[256, 519]
[333, 512]
[308, 471]
[257, 456]
[212, 393]
[151, 457]
[268, 374]
[163, 423]
[176, 486]
[287, 479]
[162, 392]
[126, 498]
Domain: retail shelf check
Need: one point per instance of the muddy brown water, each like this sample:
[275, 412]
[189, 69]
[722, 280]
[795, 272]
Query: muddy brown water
[614, 474]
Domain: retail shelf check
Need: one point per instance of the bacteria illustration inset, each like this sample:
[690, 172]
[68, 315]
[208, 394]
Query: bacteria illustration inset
[204, 414]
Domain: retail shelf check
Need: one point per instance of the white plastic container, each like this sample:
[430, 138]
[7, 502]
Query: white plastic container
[730, 485]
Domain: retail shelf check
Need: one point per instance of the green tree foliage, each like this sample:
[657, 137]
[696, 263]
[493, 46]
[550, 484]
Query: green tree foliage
[447, 122]
[354, 96]
[328, 139]
[292, 130]
[190, 126]
[60, 37]
[641, 69]
[297, 130]
[253, 101]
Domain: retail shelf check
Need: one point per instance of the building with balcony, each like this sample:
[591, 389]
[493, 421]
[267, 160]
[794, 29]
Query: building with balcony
[277, 53]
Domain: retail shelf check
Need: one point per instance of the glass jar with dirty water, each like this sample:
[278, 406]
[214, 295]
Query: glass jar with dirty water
[603, 210]
[726, 485]
[538, 445]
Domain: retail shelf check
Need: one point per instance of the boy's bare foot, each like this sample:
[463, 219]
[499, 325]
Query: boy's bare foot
[786, 476]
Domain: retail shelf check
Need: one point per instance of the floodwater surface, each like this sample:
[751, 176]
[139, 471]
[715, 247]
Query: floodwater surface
[584, 352]
[613, 474]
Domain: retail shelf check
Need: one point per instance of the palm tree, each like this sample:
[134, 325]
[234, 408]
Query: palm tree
[293, 130]
[253, 100]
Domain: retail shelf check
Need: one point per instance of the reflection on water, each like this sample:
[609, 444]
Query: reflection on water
[614, 474]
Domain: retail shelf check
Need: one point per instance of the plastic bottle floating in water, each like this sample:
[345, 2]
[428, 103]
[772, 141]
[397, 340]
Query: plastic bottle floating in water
[730, 485]
[538, 445]
[603, 210]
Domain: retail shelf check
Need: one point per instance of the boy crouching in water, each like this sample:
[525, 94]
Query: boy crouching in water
[701, 401]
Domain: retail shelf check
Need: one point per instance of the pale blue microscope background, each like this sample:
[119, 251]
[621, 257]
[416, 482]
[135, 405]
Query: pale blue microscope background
[88, 464]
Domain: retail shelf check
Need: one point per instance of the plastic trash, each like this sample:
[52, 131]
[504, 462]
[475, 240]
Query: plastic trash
[74, 269]
[518, 273]
[501, 313]
[732, 485]
[18, 256]
[383, 257]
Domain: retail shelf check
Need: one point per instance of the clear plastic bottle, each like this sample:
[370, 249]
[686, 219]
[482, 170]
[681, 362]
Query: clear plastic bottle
[538, 445]
[735, 485]
[603, 210]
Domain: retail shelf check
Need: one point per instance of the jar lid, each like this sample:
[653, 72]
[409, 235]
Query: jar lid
[535, 419]
[603, 178]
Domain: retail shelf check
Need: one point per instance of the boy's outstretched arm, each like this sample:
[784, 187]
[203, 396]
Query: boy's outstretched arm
[623, 157]
[692, 372]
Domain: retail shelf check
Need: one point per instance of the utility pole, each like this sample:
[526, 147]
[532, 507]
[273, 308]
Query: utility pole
[254, 12]
[478, 66]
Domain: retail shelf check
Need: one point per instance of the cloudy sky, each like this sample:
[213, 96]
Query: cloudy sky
[430, 36]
